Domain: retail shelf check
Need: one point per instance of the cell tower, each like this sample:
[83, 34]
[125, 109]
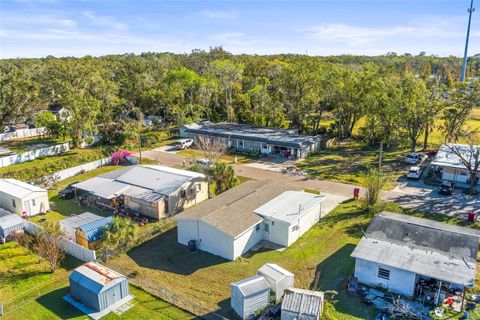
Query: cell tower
[465, 55]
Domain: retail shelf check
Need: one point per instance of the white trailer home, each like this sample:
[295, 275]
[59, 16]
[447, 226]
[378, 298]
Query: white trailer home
[231, 223]
[23, 198]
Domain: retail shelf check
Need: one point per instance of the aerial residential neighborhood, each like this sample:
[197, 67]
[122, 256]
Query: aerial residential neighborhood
[227, 160]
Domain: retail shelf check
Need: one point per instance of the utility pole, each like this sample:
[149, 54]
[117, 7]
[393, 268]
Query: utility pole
[465, 55]
[380, 157]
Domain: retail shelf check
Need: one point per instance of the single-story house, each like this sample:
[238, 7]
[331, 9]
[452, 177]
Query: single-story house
[9, 223]
[97, 287]
[412, 256]
[278, 278]
[88, 235]
[71, 224]
[231, 223]
[154, 191]
[299, 304]
[20, 197]
[450, 165]
[59, 111]
[264, 140]
[249, 295]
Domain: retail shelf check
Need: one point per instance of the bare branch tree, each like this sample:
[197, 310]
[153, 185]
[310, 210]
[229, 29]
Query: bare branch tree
[48, 244]
[402, 309]
[469, 156]
[212, 148]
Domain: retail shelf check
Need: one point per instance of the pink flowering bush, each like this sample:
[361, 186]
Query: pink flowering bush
[120, 156]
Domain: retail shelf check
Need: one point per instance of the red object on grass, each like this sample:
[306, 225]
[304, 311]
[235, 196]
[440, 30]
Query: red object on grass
[356, 193]
[471, 216]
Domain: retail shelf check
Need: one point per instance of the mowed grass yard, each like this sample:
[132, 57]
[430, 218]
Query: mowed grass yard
[320, 260]
[26, 144]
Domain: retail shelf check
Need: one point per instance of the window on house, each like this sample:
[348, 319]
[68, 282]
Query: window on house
[295, 228]
[384, 273]
[13, 203]
[183, 194]
[257, 228]
[240, 143]
[33, 203]
[266, 227]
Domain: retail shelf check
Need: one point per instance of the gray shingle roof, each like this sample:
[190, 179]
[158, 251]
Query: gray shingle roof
[233, 211]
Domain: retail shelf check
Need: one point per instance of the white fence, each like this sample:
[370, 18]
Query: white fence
[22, 133]
[70, 172]
[70, 247]
[33, 154]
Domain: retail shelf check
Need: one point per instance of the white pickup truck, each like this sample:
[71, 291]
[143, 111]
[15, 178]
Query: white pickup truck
[184, 144]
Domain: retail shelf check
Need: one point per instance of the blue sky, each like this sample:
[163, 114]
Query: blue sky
[78, 28]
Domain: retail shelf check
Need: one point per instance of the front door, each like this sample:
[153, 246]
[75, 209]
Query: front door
[26, 207]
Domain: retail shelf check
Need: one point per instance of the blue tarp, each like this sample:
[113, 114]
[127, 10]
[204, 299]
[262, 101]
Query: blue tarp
[93, 231]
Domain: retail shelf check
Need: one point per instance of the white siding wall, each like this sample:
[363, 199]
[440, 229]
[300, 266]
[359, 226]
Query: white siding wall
[303, 224]
[6, 203]
[20, 204]
[278, 232]
[246, 306]
[210, 239]
[244, 242]
[401, 281]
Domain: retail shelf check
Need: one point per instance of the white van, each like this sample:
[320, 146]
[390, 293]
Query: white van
[414, 173]
[184, 144]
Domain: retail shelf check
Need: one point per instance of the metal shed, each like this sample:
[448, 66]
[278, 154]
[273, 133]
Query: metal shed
[88, 234]
[9, 223]
[97, 286]
[299, 304]
[72, 223]
[249, 295]
[278, 278]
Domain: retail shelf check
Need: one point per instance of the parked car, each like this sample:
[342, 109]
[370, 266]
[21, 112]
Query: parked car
[415, 172]
[184, 144]
[67, 193]
[204, 162]
[415, 158]
[446, 188]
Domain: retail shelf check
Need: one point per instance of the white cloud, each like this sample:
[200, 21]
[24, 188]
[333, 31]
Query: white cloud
[42, 20]
[218, 14]
[105, 21]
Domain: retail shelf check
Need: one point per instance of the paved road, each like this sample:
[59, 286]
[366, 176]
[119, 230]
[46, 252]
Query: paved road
[406, 195]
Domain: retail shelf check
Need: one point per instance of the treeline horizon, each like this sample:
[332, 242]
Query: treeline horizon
[400, 97]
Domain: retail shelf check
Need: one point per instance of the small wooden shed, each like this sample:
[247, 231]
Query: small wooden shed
[299, 304]
[278, 278]
[249, 295]
[90, 234]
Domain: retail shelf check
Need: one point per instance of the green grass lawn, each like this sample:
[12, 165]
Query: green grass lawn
[320, 260]
[40, 167]
[228, 158]
[348, 164]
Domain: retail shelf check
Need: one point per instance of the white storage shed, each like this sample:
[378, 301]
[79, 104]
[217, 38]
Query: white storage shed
[278, 278]
[249, 295]
[9, 223]
[299, 304]
[19, 197]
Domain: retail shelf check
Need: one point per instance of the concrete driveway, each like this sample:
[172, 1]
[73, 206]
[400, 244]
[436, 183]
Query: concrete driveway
[410, 194]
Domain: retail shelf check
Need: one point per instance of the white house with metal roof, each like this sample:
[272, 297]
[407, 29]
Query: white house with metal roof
[263, 140]
[249, 295]
[450, 164]
[402, 253]
[154, 191]
[299, 304]
[21, 197]
[231, 223]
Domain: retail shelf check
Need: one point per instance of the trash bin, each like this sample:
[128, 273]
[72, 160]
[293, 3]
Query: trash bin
[356, 193]
[471, 216]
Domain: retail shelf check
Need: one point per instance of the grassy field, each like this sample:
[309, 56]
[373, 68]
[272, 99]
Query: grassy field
[320, 259]
[40, 167]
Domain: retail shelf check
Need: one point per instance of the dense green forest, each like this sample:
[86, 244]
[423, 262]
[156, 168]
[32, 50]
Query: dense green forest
[393, 99]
